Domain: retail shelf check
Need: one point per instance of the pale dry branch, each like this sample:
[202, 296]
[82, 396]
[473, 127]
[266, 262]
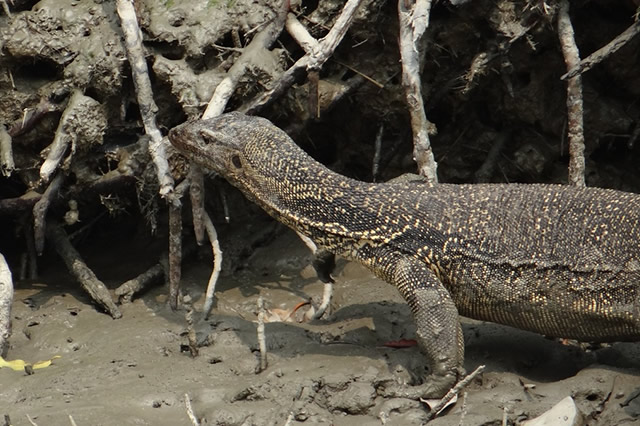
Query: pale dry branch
[414, 19]
[453, 392]
[217, 263]
[601, 54]
[6, 299]
[300, 34]
[190, 412]
[310, 61]
[575, 113]
[62, 138]
[261, 337]
[7, 165]
[263, 40]
[142, 83]
[40, 212]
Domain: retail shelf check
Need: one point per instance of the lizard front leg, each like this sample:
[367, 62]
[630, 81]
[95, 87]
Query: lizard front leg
[438, 330]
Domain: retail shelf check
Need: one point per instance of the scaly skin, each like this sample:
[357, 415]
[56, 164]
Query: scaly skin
[553, 259]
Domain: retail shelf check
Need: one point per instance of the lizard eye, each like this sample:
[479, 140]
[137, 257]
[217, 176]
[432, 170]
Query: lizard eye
[236, 161]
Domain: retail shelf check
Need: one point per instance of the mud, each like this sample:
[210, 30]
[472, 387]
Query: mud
[137, 370]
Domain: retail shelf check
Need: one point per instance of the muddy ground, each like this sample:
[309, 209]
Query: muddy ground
[136, 370]
[492, 87]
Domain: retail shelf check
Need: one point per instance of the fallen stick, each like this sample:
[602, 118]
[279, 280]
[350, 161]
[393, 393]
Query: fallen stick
[414, 19]
[6, 299]
[7, 165]
[128, 289]
[79, 269]
[601, 54]
[217, 264]
[175, 254]
[142, 83]
[62, 138]
[453, 392]
[311, 60]
[261, 337]
[575, 113]
[196, 194]
[263, 40]
[190, 412]
[40, 212]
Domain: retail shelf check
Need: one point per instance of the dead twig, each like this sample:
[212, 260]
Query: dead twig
[263, 40]
[261, 337]
[196, 193]
[453, 392]
[61, 140]
[6, 299]
[7, 165]
[5, 7]
[601, 54]
[190, 412]
[575, 112]
[175, 254]
[311, 60]
[300, 34]
[414, 19]
[79, 269]
[217, 264]
[40, 212]
[31, 117]
[191, 331]
[128, 289]
[148, 107]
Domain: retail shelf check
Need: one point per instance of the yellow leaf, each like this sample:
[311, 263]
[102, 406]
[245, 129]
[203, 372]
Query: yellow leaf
[19, 365]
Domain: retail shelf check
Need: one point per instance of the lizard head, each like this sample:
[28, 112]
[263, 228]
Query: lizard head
[247, 151]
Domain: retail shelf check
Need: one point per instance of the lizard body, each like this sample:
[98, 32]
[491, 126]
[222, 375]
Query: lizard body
[553, 259]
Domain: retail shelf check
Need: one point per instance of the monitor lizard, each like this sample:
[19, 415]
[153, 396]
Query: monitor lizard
[558, 260]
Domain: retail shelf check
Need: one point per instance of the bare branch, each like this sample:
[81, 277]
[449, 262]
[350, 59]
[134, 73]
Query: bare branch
[148, 107]
[6, 299]
[263, 40]
[312, 60]
[414, 19]
[40, 212]
[7, 166]
[453, 392]
[175, 254]
[217, 263]
[79, 269]
[574, 97]
[601, 54]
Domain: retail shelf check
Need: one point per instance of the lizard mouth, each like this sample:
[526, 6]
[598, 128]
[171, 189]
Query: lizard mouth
[208, 143]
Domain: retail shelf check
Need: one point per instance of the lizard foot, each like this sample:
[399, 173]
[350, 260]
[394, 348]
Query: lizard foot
[434, 387]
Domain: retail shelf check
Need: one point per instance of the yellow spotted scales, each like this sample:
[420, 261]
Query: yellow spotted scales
[553, 259]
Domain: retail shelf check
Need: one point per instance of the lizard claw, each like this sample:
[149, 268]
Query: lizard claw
[434, 387]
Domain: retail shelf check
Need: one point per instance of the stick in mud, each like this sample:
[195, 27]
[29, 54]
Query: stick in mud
[261, 337]
[453, 392]
[6, 299]
[79, 269]
[40, 212]
[575, 110]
